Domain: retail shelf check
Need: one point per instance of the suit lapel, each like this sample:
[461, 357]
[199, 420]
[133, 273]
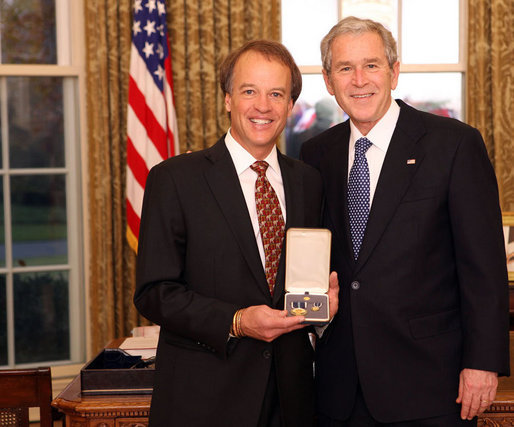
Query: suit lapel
[334, 169]
[224, 183]
[395, 178]
[293, 189]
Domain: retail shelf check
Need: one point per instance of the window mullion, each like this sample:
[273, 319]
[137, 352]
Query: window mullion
[399, 29]
[63, 40]
[75, 237]
[7, 221]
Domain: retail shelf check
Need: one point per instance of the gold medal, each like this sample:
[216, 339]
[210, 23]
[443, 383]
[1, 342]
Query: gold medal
[299, 308]
[316, 306]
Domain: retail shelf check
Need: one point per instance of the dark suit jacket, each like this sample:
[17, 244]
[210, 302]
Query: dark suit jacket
[428, 295]
[198, 262]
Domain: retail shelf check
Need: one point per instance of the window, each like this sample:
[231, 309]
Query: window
[41, 274]
[431, 46]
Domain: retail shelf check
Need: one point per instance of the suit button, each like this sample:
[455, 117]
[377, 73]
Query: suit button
[355, 285]
[266, 354]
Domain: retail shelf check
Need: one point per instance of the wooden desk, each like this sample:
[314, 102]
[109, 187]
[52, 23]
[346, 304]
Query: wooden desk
[133, 410]
[115, 410]
[102, 411]
[501, 412]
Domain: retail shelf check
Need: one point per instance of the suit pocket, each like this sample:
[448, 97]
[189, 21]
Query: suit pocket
[185, 343]
[435, 324]
[415, 194]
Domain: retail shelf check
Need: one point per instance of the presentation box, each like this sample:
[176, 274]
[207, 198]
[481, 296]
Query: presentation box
[114, 371]
[307, 274]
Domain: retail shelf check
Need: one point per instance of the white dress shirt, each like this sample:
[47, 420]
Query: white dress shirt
[380, 136]
[242, 161]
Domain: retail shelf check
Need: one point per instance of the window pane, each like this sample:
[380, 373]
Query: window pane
[426, 43]
[3, 322]
[36, 135]
[439, 93]
[39, 220]
[304, 24]
[383, 11]
[41, 320]
[315, 111]
[28, 31]
[2, 225]
[1, 133]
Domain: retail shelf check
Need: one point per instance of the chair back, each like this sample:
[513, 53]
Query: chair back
[21, 389]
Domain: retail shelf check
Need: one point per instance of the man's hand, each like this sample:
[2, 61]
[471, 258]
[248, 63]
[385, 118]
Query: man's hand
[477, 390]
[333, 294]
[263, 323]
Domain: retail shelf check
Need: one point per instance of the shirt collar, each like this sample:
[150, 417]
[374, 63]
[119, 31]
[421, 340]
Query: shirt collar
[380, 135]
[243, 159]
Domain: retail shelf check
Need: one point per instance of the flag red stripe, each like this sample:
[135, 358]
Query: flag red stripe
[145, 115]
[133, 220]
[136, 163]
[171, 138]
[169, 74]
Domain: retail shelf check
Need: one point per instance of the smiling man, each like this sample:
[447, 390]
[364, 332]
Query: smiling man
[412, 202]
[210, 269]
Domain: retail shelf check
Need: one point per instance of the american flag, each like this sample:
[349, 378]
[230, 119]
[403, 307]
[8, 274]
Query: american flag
[152, 133]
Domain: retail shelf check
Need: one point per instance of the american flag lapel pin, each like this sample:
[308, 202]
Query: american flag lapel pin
[411, 161]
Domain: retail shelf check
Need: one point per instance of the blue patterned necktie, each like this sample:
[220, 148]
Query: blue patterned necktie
[358, 194]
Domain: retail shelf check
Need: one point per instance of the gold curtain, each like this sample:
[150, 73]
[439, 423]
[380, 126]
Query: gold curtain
[201, 33]
[111, 266]
[490, 86]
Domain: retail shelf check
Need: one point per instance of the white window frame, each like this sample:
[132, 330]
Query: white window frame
[459, 67]
[71, 67]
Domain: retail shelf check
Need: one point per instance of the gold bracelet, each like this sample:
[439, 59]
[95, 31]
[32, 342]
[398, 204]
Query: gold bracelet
[236, 329]
[238, 324]
[241, 332]
[233, 326]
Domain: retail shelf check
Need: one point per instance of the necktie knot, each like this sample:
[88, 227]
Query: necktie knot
[260, 167]
[361, 146]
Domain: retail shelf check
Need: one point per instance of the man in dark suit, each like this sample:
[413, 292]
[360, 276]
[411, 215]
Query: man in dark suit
[325, 112]
[228, 355]
[412, 201]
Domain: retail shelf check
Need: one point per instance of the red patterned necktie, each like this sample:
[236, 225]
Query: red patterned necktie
[271, 221]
